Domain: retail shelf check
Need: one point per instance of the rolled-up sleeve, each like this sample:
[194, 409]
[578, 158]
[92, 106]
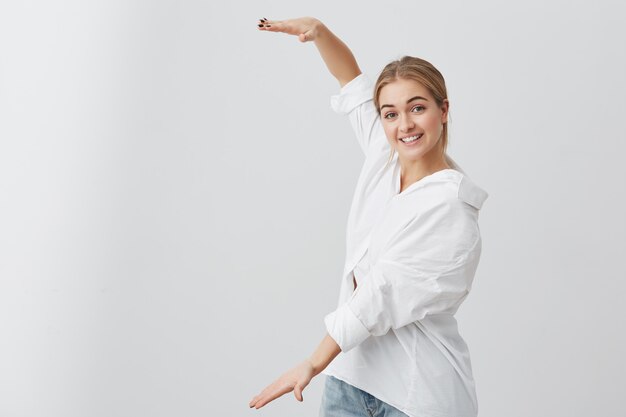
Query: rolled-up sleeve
[355, 99]
[428, 269]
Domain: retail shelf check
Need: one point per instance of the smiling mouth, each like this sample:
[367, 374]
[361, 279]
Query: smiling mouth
[411, 139]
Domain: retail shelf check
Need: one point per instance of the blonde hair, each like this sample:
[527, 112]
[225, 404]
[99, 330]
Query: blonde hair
[422, 71]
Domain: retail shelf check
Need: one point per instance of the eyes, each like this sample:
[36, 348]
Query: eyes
[420, 108]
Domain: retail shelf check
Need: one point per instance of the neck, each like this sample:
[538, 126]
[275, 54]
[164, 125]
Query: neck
[413, 171]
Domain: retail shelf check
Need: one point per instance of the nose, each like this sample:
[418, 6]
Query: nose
[406, 124]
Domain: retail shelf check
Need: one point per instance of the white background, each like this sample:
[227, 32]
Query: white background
[174, 190]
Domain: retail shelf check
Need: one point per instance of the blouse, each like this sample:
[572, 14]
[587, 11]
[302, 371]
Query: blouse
[413, 255]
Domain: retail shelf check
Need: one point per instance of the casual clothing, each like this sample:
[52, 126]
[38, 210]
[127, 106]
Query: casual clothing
[340, 399]
[414, 255]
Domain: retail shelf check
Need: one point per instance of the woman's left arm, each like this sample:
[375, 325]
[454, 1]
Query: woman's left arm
[426, 268]
[298, 377]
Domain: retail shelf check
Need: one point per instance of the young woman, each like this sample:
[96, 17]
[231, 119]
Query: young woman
[413, 247]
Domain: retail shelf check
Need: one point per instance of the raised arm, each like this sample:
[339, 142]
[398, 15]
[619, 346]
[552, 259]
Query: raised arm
[336, 54]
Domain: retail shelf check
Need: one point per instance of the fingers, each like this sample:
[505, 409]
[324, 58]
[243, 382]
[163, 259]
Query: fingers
[285, 26]
[306, 36]
[265, 24]
[262, 23]
[269, 394]
[276, 27]
[297, 391]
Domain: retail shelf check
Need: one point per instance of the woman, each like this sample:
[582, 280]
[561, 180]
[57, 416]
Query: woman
[413, 246]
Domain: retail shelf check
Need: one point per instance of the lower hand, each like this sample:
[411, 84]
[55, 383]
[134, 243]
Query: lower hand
[296, 379]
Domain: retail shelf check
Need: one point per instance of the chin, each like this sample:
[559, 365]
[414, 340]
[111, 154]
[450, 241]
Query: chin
[410, 158]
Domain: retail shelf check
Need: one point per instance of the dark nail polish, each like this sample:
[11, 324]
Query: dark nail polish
[260, 25]
[264, 18]
[269, 26]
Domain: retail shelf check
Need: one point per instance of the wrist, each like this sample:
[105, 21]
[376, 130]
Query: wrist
[315, 365]
[320, 29]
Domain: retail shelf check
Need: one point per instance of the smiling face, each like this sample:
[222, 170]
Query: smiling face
[407, 109]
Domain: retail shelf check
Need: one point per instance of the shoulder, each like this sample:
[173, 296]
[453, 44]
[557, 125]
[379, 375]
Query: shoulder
[454, 188]
[352, 94]
[470, 193]
[448, 200]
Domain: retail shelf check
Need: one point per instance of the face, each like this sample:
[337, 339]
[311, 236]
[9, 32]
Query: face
[408, 109]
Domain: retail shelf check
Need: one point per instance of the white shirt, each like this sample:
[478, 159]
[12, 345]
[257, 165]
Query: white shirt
[414, 254]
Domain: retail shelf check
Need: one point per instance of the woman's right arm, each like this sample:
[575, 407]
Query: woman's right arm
[355, 97]
[336, 55]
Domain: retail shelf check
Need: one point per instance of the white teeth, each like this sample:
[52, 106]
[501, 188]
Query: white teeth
[411, 138]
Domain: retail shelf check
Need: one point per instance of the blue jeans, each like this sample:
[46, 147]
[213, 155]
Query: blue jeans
[340, 399]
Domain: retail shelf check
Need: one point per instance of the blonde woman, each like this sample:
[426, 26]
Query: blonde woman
[392, 346]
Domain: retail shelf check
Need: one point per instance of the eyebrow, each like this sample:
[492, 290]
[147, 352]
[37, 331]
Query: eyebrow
[408, 101]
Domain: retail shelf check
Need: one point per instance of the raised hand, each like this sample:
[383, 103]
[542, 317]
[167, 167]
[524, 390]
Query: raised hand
[306, 28]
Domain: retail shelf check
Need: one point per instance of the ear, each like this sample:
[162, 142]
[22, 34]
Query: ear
[445, 108]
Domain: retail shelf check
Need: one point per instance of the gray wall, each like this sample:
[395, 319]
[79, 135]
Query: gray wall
[174, 190]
